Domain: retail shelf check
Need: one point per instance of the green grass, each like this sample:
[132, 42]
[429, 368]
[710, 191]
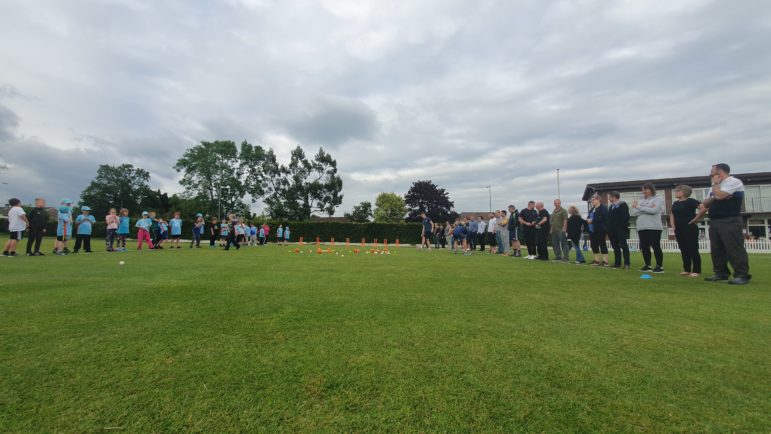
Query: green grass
[266, 340]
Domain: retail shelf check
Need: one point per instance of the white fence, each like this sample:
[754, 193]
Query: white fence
[752, 246]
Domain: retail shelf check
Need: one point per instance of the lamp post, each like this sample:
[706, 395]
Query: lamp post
[558, 185]
[489, 188]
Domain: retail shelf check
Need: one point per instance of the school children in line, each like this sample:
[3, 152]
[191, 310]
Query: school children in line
[280, 235]
[144, 226]
[176, 230]
[214, 232]
[163, 233]
[63, 227]
[198, 228]
[17, 224]
[84, 224]
[286, 235]
[112, 221]
[123, 229]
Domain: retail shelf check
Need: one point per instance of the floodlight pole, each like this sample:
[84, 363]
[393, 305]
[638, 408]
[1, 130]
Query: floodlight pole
[558, 185]
[489, 188]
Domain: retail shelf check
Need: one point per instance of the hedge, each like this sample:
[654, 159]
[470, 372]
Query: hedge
[406, 233]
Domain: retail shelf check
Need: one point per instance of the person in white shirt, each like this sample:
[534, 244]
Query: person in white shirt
[491, 231]
[17, 224]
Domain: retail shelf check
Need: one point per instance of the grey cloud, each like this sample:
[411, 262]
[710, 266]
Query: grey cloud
[330, 120]
[466, 94]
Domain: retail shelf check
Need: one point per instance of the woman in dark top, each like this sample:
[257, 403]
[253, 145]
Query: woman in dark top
[598, 219]
[683, 220]
[576, 226]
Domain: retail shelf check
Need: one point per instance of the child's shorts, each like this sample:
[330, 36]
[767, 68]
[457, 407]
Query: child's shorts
[59, 238]
[175, 237]
[17, 235]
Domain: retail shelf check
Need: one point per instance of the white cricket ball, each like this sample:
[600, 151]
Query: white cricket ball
[122, 263]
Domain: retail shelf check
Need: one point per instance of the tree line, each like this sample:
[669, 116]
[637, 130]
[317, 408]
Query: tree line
[219, 176]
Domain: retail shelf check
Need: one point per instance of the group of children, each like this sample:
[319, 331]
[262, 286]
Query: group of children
[152, 230]
[156, 232]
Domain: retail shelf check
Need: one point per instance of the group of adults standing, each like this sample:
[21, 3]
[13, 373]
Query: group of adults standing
[505, 230]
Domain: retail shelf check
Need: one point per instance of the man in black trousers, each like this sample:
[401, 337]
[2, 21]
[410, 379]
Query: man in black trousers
[618, 229]
[542, 229]
[38, 218]
[528, 218]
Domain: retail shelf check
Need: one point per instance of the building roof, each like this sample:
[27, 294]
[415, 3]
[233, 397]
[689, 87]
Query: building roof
[664, 183]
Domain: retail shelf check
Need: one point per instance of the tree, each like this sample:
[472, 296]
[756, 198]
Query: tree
[435, 201]
[362, 213]
[389, 208]
[222, 173]
[302, 188]
[121, 186]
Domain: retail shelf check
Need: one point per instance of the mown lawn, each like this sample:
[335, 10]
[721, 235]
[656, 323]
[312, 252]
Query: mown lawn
[264, 340]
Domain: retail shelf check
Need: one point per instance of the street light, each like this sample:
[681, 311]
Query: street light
[490, 194]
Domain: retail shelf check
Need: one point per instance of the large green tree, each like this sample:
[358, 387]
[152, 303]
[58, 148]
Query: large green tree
[427, 196]
[362, 213]
[123, 186]
[223, 174]
[389, 208]
[303, 187]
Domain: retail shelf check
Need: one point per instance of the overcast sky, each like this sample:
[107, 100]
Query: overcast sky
[465, 93]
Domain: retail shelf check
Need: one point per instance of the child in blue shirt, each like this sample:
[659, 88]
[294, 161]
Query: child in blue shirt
[262, 236]
[123, 229]
[163, 233]
[84, 224]
[143, 226]
[176, 229]
[63, 228]
[224, 232]
[286, 234]
[197, 231]
[280, 235]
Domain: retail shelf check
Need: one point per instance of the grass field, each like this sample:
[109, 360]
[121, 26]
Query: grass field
[266, 340]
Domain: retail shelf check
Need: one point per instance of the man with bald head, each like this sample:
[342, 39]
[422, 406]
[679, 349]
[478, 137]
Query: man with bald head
[559, 230]
[542, 229]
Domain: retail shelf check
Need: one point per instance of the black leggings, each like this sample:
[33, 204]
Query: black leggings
[688, 241]
[597, 240]
[651, 239]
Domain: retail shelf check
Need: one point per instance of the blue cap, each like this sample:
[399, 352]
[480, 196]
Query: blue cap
[145, 213]
[199, 215]
[66, 201]
[85, 208]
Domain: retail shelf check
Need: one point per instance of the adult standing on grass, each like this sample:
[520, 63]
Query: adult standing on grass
[473, 227]
[726, 237]
[513, 227]
[481, 233]
[542, 230]
[648, 212]
[683, 220]
[503, 232]
[38, 218]
[618, 230]
[491, 231]
[528, 218]
[576, 225]
[428, 229]
[597, 221]
[559, 229]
